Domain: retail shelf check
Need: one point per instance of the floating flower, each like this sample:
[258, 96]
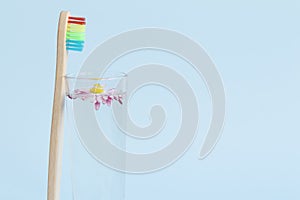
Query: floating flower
[97, 95]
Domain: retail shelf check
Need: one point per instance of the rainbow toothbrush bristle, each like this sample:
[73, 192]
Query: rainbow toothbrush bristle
[75, 33]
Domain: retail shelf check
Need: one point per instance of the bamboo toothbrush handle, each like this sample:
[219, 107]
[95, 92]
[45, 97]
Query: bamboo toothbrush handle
[56, 138]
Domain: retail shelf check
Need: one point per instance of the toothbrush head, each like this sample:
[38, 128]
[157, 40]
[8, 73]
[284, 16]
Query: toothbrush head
[75, 35]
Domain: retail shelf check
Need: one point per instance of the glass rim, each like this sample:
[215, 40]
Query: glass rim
[87, 76]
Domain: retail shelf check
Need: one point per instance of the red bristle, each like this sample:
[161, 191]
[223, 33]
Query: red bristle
[76, 22]
[77, 18]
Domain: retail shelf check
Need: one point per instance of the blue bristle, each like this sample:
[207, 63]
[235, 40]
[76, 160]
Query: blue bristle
[74, 45]
[75, 48]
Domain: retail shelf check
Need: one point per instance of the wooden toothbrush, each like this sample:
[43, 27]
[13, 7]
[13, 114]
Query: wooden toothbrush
[70, 36]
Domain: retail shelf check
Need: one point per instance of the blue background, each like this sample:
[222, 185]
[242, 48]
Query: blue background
[255, 46]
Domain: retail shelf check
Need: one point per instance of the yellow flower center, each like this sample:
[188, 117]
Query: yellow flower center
[97, 89]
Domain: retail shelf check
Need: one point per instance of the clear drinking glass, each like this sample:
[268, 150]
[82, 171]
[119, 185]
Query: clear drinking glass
[91, 106]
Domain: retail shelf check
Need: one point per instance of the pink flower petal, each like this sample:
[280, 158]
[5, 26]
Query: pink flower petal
[98, 97]
[97, 105]
[103, 98]
[108, 102]
[111, 91]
